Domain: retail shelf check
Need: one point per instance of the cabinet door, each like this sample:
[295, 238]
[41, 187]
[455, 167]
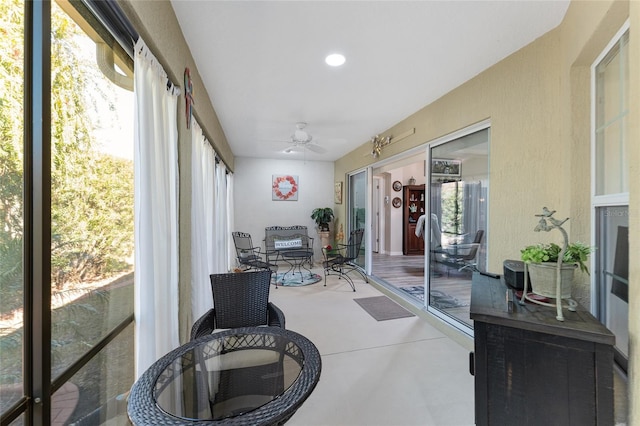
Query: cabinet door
[529, 378]
[413, 208]
[414, 243]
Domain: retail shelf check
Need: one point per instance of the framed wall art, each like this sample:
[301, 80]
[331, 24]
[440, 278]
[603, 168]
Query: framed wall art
[442, 167]
[337, 194]
[284, 188]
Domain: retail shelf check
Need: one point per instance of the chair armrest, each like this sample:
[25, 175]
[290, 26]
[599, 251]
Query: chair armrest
[332, 253]
[275, 316]
[250, 253]
[452, 237]
[456, 250]
[204, 325]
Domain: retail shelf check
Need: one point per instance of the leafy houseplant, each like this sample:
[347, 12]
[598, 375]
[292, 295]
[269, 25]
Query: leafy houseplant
[575, 253]
[322, 216]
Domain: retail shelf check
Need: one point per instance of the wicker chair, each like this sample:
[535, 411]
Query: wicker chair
[240, 300]
[341, 261]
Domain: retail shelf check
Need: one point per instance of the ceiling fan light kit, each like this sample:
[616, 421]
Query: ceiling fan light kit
[300, 136]
[301, 139]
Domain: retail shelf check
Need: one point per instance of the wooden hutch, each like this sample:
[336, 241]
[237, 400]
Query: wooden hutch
[413, 206]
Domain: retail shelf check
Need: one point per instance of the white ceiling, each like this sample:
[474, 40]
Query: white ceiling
[262, 62]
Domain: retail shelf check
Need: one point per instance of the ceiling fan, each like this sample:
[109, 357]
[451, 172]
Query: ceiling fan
[301, 140]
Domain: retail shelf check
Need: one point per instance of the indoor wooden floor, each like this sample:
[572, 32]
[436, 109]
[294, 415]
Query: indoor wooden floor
[405, 271]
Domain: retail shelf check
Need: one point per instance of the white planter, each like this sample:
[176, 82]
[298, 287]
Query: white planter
[325, 237]
[543, 278]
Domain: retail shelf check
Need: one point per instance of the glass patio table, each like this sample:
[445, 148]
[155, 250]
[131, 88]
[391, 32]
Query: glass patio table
[296, 260]
[252, 375]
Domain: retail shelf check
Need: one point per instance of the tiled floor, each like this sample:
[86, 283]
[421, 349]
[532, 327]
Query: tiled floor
[396, 372]
[63, 402]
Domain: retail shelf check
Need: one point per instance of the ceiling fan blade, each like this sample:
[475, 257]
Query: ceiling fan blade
[316, 148]
[292, 148]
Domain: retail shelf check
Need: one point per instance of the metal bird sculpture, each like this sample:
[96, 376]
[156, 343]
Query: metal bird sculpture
[546, 212]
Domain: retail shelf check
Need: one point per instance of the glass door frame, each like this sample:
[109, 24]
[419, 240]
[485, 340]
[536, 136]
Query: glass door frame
[351, 225]
[483, 125]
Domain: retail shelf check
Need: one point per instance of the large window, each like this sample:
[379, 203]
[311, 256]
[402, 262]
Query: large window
[611, 118]
[66, 338]
[610, 76]
[11, 201]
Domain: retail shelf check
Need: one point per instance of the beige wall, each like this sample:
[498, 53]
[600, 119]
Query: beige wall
[538, 103]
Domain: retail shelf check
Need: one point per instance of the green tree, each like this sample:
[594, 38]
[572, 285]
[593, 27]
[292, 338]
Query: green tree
[92, 200]
[452, 205]
[92, 193]
[11, 174]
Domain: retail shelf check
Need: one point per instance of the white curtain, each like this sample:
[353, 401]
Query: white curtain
[156, 210]
[231, 251]
[221, 230]
[203, 163]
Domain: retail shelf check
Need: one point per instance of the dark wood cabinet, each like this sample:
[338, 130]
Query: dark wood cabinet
[413, 207]
[531, 369]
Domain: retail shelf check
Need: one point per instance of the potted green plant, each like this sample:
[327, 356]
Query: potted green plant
[322, 216]
[542, 262]
[551, 266]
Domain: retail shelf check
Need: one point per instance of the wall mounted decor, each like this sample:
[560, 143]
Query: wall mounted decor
[378, 143]
[442, 167]
[397, 186]
[284, 188]
[397, 202]
[337, 195]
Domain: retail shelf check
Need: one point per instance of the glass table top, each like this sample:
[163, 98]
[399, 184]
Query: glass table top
[228, 376]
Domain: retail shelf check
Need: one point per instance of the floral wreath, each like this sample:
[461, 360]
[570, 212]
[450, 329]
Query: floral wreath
[276, 187]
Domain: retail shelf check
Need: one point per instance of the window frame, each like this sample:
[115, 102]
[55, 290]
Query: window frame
[38, 387]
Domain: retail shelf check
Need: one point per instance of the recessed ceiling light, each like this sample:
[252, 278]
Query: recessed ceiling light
[335, 59]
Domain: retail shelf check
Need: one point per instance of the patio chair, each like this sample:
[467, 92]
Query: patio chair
[248, 256]
[463, 256]
[341, 261]
[239, 300]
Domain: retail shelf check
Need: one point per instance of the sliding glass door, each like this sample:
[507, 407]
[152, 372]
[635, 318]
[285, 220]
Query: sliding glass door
[357, 208]
[455, 225]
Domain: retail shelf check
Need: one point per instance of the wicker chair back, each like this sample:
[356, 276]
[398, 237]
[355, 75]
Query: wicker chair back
[240, 299]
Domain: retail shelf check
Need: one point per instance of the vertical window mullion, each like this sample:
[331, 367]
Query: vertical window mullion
[38, 210]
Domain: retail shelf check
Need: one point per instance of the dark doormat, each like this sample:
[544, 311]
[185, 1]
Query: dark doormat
[382, 308]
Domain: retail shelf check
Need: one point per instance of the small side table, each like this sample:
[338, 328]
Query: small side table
[296, 260]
